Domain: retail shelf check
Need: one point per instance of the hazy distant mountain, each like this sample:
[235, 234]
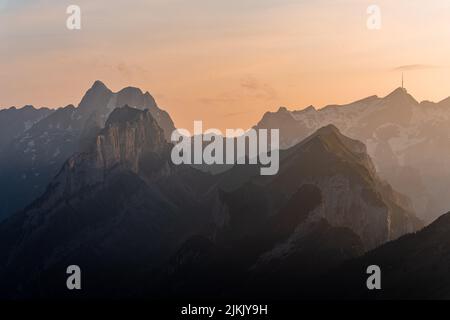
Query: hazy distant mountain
[140, 226]
[15, 121]
[99, 102]
[34, 157]
[408, 141]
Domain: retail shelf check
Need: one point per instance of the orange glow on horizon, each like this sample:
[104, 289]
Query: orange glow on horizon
[221, 63]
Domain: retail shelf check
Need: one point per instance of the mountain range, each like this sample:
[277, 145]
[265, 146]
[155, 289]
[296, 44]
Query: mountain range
[139, 226]
[407, 140]
[43, 139]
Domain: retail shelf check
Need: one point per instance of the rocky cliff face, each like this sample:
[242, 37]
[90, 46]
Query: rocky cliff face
[131, 140]
[34, 157]
[125, 139]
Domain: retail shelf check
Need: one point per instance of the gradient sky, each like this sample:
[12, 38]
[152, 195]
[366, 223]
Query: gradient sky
[225, 62]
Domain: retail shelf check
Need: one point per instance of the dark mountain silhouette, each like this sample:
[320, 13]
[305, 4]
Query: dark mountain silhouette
[407, 140]
[117, 209]
[412, 267]
[139, 226]
[274, 234]
[34, 157]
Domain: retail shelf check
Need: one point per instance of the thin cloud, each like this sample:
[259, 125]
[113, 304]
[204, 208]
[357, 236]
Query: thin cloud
[234, 114]
[413, 67]
[130, 71]
[225, 97]
[258, 89]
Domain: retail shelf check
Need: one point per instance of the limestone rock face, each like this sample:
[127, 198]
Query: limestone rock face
[128, 134]
[131, 140]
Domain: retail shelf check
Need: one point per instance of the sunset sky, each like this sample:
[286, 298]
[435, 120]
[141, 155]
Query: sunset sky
[223, 62]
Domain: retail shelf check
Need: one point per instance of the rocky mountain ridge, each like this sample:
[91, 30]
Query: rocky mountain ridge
[121, 205]
[407, 140]
[33, 158]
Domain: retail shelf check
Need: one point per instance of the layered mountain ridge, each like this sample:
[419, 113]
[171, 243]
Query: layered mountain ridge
[122, 202]
[353, 196]
[407, 141]
[32, 159]
[140, 226]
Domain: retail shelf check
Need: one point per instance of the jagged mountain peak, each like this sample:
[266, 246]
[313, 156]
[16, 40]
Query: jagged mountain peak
[310, 108]
[101, 99]
[281, 113]
[99, 102]
[135, 97]
[398, 91]
[96, 97]
[67, 109]
[330, 133]
[327, 130]
[99, 85]
[69, 106]
[400, 95]
[282, 109]
[134, 94]
[329, 140]
[27, 107]
[131, 90]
